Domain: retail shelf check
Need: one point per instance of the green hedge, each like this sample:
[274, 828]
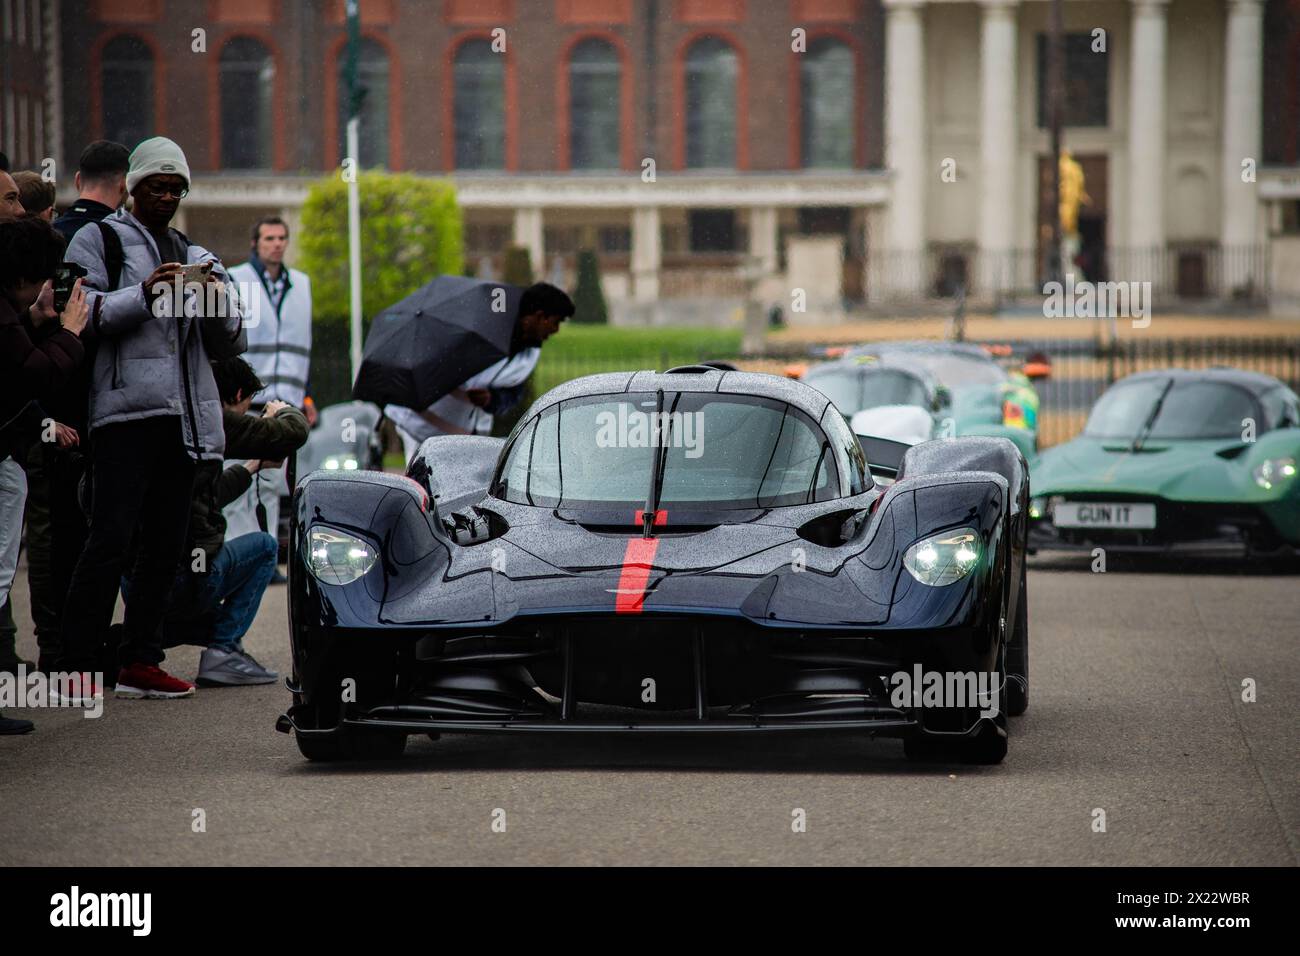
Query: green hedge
[411, 231]
[518, 268]
[589, 298]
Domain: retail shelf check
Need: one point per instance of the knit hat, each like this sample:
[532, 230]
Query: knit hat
[156, 155]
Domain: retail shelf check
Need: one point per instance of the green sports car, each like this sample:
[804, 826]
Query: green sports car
[1195, 462]
[958, 389]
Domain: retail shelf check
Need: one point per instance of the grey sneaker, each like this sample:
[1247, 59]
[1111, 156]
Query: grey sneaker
[219, 667]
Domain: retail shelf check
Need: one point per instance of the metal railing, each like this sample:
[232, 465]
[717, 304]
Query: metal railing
[1183, 272]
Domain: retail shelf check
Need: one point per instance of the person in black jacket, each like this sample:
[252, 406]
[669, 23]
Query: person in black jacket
[101, 186]
[219, 589]
[56, 525]
[37, 357]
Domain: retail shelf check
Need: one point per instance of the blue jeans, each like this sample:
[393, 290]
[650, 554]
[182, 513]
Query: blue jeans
[226, 597]
[233, 587]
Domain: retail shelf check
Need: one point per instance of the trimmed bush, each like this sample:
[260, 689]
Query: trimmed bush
[518, 267]
[410, 232]
[589, 297]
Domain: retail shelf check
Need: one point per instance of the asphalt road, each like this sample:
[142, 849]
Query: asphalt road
[1135, 710]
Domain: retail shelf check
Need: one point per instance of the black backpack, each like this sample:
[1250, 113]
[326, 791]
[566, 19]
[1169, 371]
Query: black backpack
[114, 254]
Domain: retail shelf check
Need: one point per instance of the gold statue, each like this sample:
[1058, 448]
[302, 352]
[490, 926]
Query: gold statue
[1072, 194]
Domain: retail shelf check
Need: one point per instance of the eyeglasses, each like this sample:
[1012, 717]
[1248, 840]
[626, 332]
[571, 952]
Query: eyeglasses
[158, 192]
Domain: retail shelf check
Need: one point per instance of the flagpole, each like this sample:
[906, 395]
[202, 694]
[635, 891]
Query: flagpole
[354, 197]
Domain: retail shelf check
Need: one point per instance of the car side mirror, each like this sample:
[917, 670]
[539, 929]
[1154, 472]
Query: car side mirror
[942, 398]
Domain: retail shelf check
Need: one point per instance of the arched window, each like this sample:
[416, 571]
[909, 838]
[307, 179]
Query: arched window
[595, 80]
[827, 98]
[126, 91]
[711, 70]
[247, 79]
[372, 77]
[480, 106]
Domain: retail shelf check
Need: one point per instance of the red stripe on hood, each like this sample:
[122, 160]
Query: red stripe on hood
[637, 562]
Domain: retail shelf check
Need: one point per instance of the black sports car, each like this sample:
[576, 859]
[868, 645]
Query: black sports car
[697, 550]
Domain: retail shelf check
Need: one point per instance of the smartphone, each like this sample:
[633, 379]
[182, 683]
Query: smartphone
[195, 273]
[65, 277]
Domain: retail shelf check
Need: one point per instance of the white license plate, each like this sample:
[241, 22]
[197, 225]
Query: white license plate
[1110, 514]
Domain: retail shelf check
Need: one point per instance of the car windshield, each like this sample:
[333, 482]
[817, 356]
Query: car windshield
[719, 452]
[956, 370]
[1191, 410]
[853, 389]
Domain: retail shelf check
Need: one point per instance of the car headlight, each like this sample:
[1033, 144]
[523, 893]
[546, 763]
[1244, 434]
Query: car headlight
[339, 463]
[944, 558]
[335, 557]
[1037, 507]
[1273, 471]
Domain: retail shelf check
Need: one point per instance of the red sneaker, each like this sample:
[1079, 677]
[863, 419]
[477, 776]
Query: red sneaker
[147, 680]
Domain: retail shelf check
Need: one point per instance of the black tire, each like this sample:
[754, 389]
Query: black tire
[922, 749]
[372, 745]
[319, 749]
[1018, 656]
[986, 747]
[375, 745]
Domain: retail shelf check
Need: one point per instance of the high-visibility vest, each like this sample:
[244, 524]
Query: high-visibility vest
[279, 340]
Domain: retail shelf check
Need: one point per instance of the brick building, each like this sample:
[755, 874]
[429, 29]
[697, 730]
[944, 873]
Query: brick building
[547, 139]
[912, 130]
[29, 87]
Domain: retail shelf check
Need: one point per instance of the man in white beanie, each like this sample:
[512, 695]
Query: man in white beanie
[154, 414]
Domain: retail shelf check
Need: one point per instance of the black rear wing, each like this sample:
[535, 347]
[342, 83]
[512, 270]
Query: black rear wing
[884, 456]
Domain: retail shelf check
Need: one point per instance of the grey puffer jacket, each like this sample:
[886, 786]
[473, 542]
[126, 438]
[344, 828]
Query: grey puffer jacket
[148, 365]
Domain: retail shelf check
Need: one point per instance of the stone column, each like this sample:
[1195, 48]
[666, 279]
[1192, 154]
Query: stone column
[528, 233]
[647, 253]
[1244, 54]
[762, 238]
[997, 144]
[905, 146]
[1146, 142]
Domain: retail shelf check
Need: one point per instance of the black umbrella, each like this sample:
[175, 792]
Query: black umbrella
[426, 345]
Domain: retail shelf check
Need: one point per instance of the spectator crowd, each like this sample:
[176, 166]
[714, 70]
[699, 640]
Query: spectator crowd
[123, 392]
[150, 401]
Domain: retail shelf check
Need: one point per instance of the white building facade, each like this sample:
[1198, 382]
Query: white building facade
[1164, 115]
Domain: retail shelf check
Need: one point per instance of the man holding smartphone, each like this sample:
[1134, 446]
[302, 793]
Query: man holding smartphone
[154, 414]
[37, 358]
